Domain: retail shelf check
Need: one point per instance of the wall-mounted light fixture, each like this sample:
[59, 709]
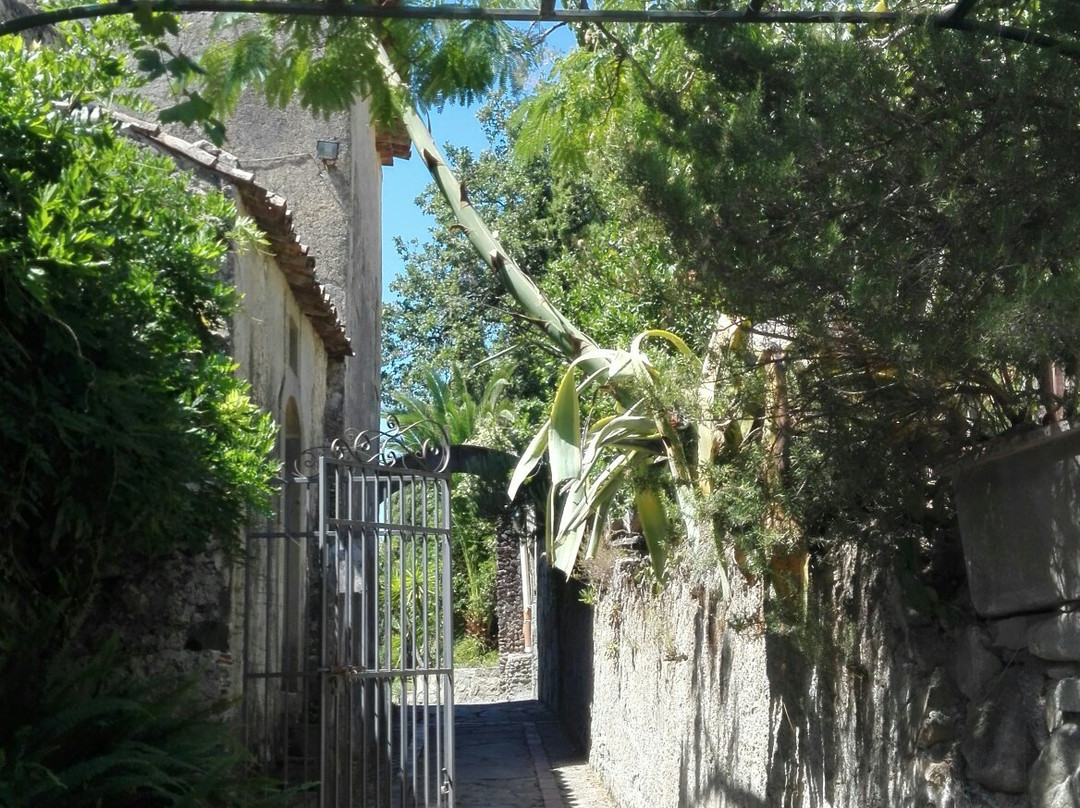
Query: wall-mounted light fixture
[327, 150]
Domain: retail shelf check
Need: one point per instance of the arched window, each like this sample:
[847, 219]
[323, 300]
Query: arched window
[294, 519]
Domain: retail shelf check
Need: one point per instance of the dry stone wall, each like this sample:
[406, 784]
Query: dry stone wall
[509, 609]
[683, 699]
[172, 618]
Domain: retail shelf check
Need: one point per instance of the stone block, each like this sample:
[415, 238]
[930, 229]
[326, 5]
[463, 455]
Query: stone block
[1055, 776]
[1010, 633]
[1062, 670]
[998, 746]
[1056, 638]
[941, 714]
[1019, 520]
[1063, 698]
[974, 667]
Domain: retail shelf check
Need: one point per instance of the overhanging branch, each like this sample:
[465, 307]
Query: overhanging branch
[960, 10]
[951, 18]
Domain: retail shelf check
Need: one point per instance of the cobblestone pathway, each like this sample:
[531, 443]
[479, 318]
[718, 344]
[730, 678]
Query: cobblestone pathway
[515, 755]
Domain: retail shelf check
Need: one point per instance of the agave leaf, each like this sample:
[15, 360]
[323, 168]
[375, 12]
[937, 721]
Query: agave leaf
[566, 551]
[529, 458]
[725, 585]
[600, 493]
[599, 521]
[605, 355]
[609, 432]
[564, 435]
[596, 374]
[659, 333]
[621, 427]
[654, 525]
[568, 544]
[574, 503]
[622, 366]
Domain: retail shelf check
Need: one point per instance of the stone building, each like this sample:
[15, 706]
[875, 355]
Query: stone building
[306, 336]
[186, 614]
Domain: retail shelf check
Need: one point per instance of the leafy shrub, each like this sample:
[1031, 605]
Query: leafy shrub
[123, 429]
[97, 742]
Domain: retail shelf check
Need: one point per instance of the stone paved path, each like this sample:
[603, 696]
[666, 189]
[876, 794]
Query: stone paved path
[515, 755]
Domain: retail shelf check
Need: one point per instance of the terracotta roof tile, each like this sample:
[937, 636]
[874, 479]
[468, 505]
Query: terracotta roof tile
[271, 214]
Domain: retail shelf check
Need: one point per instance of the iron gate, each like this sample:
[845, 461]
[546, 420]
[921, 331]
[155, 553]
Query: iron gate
[347, 660]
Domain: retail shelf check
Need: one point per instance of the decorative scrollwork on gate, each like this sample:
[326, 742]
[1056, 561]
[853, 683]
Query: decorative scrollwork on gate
[411, 447]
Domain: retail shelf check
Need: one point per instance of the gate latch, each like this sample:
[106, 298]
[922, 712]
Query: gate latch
[344, 670]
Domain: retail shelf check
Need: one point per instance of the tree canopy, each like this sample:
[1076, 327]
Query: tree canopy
[890, 211]
[899, 209]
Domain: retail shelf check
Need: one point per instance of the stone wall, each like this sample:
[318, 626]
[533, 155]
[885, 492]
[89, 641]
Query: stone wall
[685, 700]
[172, 618]
[509, 608]
[511, 680]
[1019, 499]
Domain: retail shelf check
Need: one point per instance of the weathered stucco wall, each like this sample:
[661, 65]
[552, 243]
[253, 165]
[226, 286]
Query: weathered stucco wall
[685, 700]
[184, 614]
[278, 351]
[336, 209]
[363, 312]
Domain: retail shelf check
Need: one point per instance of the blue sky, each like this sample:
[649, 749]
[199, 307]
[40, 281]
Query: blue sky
[406, 179]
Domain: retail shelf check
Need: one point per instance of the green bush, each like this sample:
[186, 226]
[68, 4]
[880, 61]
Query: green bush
[123, 429]
[99, 742]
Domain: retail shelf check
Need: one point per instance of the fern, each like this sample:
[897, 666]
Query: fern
[98, 741]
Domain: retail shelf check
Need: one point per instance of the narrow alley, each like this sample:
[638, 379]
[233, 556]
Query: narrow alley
[516, 755]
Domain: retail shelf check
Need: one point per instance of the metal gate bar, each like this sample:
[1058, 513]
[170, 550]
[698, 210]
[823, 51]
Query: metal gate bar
[348, 657]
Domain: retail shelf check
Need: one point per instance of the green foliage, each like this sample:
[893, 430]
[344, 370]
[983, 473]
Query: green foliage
[446, 410]
[473, 557]
[326, 63]
[123, 427]
[894, 221]
[95, 741]
[897, 217]
[592, 252]
[470, 652]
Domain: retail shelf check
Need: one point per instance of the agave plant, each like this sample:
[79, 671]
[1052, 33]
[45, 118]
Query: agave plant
[589, 469]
